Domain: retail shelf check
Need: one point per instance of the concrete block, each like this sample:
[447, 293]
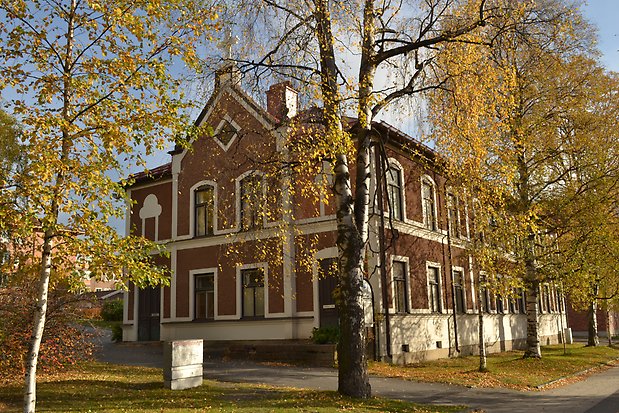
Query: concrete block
[567, 333]
[182, 364]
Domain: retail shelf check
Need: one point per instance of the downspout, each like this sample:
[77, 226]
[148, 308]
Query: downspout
[383, 253]
[451, 272]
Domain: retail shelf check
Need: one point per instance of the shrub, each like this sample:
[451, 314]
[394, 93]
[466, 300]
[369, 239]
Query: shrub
[64, 342]
[117, 332]
[112, 310]
[324, 335]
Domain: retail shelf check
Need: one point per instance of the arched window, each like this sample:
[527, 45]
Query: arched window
[428, 203]
[204, 209]
[453, 215]
[395, 192]
[252, 201]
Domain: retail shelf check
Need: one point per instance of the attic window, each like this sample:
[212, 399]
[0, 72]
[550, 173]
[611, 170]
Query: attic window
[226, 132]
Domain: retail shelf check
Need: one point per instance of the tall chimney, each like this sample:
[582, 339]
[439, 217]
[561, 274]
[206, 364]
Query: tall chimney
[282, 100]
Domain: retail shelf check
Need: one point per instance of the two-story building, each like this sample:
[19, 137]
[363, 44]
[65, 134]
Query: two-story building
[252, 250]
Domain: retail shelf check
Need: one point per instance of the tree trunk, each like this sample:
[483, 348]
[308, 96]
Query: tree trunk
[353, 379]
[593, 340]
[483, 366]
[40, 312]
[608, 333]
[533, 349]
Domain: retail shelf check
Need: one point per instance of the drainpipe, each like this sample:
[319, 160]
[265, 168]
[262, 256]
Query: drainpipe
[451, 272]
[383, 254]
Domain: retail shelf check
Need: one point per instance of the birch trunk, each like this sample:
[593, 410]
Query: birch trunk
[483, 366]
[40, 312]
[533, 349]
[593, 339]
[608, 333]
[353, 379]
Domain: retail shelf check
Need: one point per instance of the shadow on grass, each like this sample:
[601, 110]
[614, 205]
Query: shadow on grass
[119, 389]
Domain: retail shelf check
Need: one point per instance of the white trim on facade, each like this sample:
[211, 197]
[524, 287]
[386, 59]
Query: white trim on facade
[192, 212]
[442, 309]
[435, 203]
[394, 162]
[406, 261]
[192, 290]
[239, 288]
[222, 123]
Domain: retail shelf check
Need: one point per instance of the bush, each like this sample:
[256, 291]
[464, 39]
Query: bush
[112, 310]
[324, 335]
[117, 332]
[64, 342]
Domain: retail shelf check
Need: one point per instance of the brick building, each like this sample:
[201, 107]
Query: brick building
[199, 205]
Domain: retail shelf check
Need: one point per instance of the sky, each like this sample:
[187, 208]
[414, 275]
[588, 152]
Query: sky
[604, 14]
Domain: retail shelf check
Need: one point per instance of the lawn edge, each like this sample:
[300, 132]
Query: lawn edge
[609, 363]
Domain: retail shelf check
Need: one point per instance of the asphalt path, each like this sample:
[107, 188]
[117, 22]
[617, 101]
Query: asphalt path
[598, 393]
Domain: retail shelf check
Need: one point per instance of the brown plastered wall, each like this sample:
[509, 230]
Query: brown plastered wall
[226, 262]
[253, 149]
[306, 247]
[163, 192]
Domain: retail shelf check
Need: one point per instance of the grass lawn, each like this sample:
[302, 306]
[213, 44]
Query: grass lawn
[507, 369]
[99, 387]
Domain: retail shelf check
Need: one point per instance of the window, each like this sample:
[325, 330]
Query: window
[521, 301]
[453, 215]
[204, 296]
[252, 202]
[427, 199]
[435, 289]
[394, 193]
[204, 210]
[400, 296]
[253, 292]
[459, 291]
[500, 308]
[226, 133]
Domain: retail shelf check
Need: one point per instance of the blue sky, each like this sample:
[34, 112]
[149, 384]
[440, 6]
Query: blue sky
[604, 14]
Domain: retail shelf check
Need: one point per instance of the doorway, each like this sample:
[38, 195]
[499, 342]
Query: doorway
[149, 302]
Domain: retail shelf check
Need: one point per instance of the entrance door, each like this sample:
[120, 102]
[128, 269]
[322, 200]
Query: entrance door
[327, 282]
[149, 301]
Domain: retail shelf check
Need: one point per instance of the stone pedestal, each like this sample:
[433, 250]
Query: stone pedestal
[182, 364]
[567, 333]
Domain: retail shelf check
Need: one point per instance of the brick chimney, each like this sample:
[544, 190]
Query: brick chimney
[282, 100]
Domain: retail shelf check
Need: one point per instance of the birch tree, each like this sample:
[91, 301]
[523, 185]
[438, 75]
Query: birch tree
[498, 122]
[90, 82]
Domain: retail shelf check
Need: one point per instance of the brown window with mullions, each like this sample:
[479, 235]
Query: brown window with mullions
[204, 291]
[253, 292]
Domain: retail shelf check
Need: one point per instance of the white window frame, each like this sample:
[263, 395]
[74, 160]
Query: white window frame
[239, 288]
[428, 178]
[430, 264]
[407, 287]
[192, 292]
[222, 123]
[463, 285]
[238, 196]
[393, 163]
[192, 206]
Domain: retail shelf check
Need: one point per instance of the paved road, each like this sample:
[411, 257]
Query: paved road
[599, 393]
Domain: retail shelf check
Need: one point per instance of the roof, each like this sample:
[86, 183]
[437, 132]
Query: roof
[151, 175]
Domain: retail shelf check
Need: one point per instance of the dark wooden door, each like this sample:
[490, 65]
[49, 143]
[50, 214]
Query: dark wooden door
[149, 302]
[327, 282]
